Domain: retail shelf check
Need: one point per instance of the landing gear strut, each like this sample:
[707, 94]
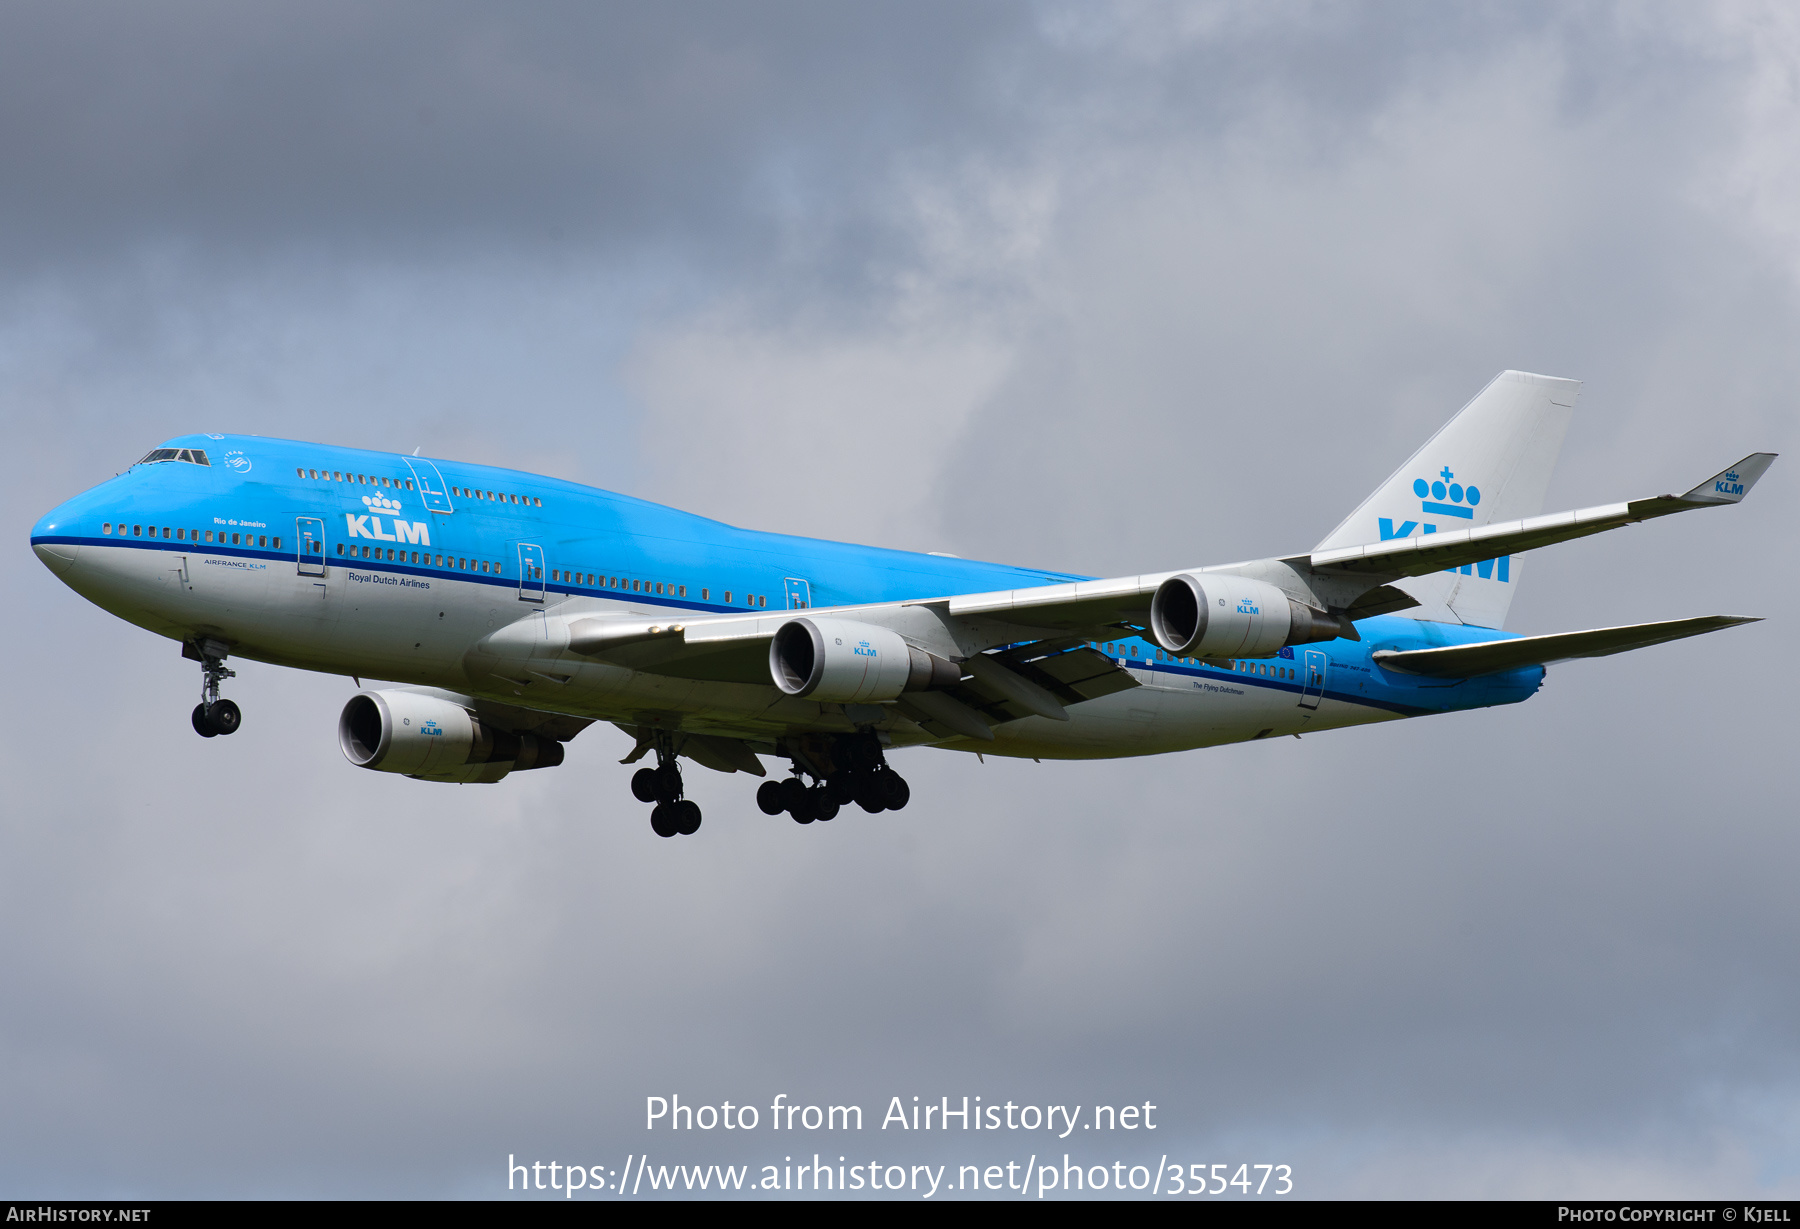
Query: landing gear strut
[673, 815]
[213, 716]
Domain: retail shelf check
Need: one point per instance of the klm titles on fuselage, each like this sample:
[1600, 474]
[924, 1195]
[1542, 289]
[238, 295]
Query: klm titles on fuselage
[1461, 502]
[415, 533]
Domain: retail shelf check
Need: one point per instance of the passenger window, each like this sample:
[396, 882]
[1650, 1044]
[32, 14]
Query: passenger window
[274, 543]
[705, 595]
[728, 595]
[409, 484]
[762, 600]
[340, 548]
[683, 592]
[536, 502]
[106, 528]
[298, 472]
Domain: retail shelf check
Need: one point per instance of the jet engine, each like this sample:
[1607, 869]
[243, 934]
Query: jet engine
[845, 662]
[1231, 616]
[431, 738]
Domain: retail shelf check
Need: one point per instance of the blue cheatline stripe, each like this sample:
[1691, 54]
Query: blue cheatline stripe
[502, 581]
[511, 584]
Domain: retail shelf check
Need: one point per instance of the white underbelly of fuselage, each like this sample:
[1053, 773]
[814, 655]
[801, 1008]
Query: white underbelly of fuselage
[419, 630]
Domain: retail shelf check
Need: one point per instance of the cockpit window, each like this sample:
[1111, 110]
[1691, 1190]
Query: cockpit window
[193, 456]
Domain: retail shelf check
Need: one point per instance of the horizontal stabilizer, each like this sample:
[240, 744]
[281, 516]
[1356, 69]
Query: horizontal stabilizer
[1419, 556]
[1493, 656]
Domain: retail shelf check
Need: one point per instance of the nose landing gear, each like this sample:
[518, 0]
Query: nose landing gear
[213, 716]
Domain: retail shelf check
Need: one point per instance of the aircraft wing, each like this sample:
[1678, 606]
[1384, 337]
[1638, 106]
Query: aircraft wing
[1349, 580]
[1419, 556]
[1494, 656]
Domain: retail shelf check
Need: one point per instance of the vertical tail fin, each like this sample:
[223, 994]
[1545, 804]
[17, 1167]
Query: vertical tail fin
[1490, 463]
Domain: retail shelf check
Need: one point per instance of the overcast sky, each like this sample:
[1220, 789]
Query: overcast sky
[1085, 286]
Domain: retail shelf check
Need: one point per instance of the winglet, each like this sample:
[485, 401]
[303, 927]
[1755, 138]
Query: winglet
[1730, 486]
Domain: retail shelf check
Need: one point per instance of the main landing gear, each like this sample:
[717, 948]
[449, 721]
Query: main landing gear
[853, 770]
[673, 815]
[213, 716]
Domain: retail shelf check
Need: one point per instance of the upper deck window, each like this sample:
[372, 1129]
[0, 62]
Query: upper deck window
[192, 456]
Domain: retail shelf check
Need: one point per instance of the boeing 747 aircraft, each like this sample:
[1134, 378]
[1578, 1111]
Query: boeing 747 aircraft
[511, 611]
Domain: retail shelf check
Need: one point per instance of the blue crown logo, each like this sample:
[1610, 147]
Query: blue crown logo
[1462, 500]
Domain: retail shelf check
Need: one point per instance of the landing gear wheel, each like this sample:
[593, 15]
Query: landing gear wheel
[643, 785]
[224, 716]
[668, 783]
[793, 796]
[871, 793]
[803, 811]
[687, 816]
[824, 806]
[841, 787]
[663, 820]
[768, 798]
[895, 791]
[202, 726]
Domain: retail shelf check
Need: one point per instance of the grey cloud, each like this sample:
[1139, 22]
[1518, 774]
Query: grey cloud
[1234, 266]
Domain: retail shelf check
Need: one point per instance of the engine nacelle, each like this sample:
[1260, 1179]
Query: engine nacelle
[1231, 616]
[841, 661]
[434, 739]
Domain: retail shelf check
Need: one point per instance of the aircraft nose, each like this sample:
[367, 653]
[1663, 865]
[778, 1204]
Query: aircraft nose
[55, 546]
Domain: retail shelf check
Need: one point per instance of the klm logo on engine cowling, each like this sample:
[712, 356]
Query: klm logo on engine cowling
[865, 649]
[416, 532]
[431, 728]
[1247, 607]
[1444, 496]
[1729, 483]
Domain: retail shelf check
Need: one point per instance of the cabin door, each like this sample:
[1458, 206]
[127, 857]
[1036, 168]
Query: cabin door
[531, 573]
[1314, 684]
[309, 546]
[432, 491]
[799, 594]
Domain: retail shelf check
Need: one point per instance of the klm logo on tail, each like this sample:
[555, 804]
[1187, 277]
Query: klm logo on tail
[1454, 492]
[1461, 502]
[1728, 483]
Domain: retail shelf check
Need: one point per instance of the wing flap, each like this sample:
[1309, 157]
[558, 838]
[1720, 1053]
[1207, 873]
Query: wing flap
[1494, 656]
